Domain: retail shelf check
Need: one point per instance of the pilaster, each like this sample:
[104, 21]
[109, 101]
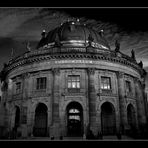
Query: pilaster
[55, 131]
[92, 99]
[122, 102]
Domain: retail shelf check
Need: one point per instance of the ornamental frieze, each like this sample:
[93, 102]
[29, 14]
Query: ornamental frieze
[56, 71]
[91, 71]
[120, 74]
[39, 58]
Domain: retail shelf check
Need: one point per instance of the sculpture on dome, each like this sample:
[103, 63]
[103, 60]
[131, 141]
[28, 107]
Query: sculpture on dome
[90, 40]
[101, 32]
[43, 39]
[117, 45]
[57, 41]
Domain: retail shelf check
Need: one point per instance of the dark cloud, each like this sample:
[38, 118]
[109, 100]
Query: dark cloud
[19, 25]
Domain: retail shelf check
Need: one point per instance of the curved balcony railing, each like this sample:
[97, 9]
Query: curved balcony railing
[73, 53]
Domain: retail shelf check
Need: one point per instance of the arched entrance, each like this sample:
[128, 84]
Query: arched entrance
[40, 125]
[74, 119]
[131, 117]
[17, 117]
[108, 120]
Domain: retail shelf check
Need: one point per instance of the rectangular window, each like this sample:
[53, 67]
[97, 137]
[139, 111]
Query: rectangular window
[105, 83]
[73, 82]
[128, 87]
[24, 115]
[18, 87]
[41, 83]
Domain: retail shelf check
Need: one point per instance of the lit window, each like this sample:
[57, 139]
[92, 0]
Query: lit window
[41, 83]
[75, 117]
[73, 111]
[73, 82]
[128, 87]
[105, 83]
[18, 87]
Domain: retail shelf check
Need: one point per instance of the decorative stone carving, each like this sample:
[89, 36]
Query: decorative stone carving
[91, 71]
[117, 45]
[120, 74]
[25, 75]
[56, 71]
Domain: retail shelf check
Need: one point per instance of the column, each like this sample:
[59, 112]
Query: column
[55, 131]
[92, 100]
[122, 101]
[140, 106]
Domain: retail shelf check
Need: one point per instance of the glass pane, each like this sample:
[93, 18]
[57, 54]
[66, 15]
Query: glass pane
[73, 84]
[78, 85]
[69, 84]
[73, 110]
[105, 83]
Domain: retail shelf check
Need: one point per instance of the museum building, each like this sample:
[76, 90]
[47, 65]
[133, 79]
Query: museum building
[73, 81]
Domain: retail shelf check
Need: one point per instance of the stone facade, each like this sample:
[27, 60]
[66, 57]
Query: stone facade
[56, 67]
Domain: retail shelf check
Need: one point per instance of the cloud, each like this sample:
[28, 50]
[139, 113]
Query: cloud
[19, 25]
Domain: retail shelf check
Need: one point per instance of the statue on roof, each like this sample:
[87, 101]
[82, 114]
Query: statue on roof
[133, 54]
[117, 45]
[140, 64]
[28, 46]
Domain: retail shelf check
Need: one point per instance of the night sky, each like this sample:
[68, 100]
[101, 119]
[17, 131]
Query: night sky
[20, 25]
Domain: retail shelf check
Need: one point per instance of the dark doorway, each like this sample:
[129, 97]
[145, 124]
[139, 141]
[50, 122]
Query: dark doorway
[108, 121]
[74, 119]
[17, 117]
[131, 117]
[40, 125]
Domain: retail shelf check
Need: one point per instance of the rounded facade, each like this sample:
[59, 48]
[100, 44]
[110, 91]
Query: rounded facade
[71, 84]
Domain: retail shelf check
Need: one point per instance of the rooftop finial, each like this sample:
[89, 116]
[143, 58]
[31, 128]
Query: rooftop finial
[117, 45]
[43, 33]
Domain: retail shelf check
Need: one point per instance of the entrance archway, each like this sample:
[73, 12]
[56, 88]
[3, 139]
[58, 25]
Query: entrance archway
[74, 119]
[131, 117]
[17, 117]
[108, 120]
[40, 125]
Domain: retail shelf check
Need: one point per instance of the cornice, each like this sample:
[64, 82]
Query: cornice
[46, 55]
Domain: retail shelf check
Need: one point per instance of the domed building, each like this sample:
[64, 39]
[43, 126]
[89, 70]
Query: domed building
[72, 83]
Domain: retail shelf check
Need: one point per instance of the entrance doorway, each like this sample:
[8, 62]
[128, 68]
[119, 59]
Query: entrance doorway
[74, 119]
[40, 125]
[131, 117]
[108, 122]
[17, 118]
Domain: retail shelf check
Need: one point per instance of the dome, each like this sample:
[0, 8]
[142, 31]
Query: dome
[74, 33]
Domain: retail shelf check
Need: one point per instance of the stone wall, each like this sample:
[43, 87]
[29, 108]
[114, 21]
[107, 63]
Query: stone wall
[56, 96]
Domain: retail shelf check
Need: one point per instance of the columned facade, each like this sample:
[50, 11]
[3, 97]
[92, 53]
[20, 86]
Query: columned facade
[72, 85]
